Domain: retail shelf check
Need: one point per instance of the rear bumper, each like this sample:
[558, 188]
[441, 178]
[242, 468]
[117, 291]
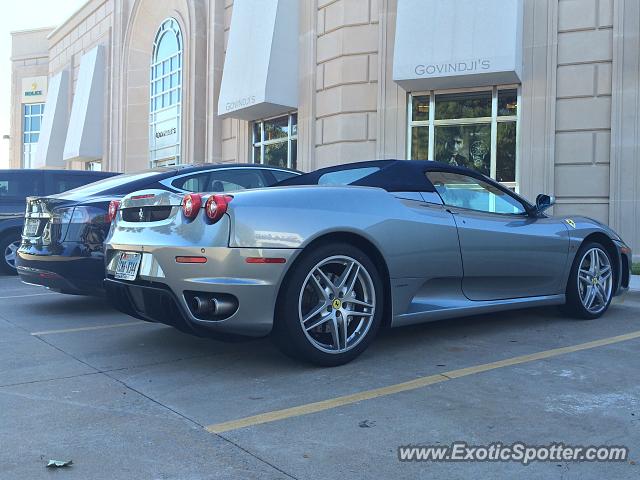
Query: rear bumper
[160, 292]
[73, 270]
[151, 303]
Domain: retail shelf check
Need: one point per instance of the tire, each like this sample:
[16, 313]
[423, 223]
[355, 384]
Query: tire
[8, 248]
[591, 285]
[326, 303]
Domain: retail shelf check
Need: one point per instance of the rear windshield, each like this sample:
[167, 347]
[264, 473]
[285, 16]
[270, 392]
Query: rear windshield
[118, 185]
[346, 177]
[339, 176]
[61, 182]
[281, 175]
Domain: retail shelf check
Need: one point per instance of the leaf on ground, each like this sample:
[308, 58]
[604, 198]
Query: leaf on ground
[59, 463]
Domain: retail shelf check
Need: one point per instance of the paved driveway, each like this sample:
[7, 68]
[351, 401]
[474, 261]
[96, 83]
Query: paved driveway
[128, 399]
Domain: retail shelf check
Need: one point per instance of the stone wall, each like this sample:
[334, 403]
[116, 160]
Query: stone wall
[346, 81]
[29, 58]
[235, 133]
[583, 107]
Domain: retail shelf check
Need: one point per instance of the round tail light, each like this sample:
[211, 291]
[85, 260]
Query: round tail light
[113, 210]
[191, 204]
[216, 206]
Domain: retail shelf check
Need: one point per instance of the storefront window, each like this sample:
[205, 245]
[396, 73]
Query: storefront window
[165, 111]
[93, 166]
[31, 123]
[471, 129]
[275, 141]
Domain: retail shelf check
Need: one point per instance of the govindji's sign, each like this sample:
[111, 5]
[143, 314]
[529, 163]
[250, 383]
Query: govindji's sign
[457, 44]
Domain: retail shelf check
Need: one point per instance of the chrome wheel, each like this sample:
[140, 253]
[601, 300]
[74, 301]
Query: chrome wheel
[337, 303]
[595, 280]
[10, 253]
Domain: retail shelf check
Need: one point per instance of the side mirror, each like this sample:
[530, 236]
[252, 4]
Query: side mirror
[543, 202]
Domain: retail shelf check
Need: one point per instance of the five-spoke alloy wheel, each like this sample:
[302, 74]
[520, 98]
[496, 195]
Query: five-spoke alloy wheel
[595, 280]
[591, 282]
[336, 304]
[337, 309]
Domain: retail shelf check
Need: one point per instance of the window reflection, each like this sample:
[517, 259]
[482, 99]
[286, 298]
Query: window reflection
[420, 143]
[465, 146]
[462, 130]
[275, 141]
[507, 102]
[463, 105]
[420, 108]
[506, 154]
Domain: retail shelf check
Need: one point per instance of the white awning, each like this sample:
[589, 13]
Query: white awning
[260, 76]
[457, 43]
[54, 123]
[84, 135]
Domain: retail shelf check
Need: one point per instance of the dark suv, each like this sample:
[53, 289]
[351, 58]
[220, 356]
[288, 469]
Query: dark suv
[15, 186]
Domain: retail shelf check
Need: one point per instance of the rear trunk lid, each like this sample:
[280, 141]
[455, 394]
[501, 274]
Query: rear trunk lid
[150, 206]
[46, 219]
[154, 219]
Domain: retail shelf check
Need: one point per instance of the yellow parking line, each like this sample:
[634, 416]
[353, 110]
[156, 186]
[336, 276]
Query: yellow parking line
[410, 385]
[86, 329]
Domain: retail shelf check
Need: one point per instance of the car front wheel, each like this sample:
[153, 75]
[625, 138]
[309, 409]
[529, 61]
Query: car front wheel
[330, 306]
[591, 282]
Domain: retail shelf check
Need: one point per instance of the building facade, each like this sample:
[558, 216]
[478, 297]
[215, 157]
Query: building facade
[543, 95]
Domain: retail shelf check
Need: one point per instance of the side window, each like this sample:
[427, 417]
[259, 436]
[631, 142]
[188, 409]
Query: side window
[193, 183]
[467, 192]
[228, 180]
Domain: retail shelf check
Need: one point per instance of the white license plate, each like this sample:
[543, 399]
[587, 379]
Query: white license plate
[31, 227]
[127, 267]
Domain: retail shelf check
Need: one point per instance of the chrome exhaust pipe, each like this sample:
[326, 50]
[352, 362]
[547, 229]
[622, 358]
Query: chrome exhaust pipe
[203, 306]
[224, 307]
[212, 306]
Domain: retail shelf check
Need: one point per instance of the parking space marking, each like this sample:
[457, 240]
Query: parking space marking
[29, 295]
[410, 385]
[86, 329]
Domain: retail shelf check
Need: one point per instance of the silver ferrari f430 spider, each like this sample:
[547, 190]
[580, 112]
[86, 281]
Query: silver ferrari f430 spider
[322, 261]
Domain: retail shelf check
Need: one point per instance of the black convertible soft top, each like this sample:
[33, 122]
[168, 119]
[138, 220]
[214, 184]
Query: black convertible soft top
[390, 175]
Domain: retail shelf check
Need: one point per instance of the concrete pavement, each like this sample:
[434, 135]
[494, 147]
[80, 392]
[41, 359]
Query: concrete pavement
[128, 399]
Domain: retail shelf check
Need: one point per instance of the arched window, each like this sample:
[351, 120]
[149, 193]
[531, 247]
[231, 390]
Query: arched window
[165, 110]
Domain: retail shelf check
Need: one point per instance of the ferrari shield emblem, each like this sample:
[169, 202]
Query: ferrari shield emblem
[570, 222]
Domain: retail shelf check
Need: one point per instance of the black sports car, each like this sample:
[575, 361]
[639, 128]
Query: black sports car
[15, 187]
[63, 234]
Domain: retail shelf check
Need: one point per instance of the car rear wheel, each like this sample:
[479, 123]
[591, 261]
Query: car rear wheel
[591, 282]
[9, 248]
[330, 306]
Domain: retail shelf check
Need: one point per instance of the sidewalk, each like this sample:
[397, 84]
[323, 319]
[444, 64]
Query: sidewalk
[634, 284]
